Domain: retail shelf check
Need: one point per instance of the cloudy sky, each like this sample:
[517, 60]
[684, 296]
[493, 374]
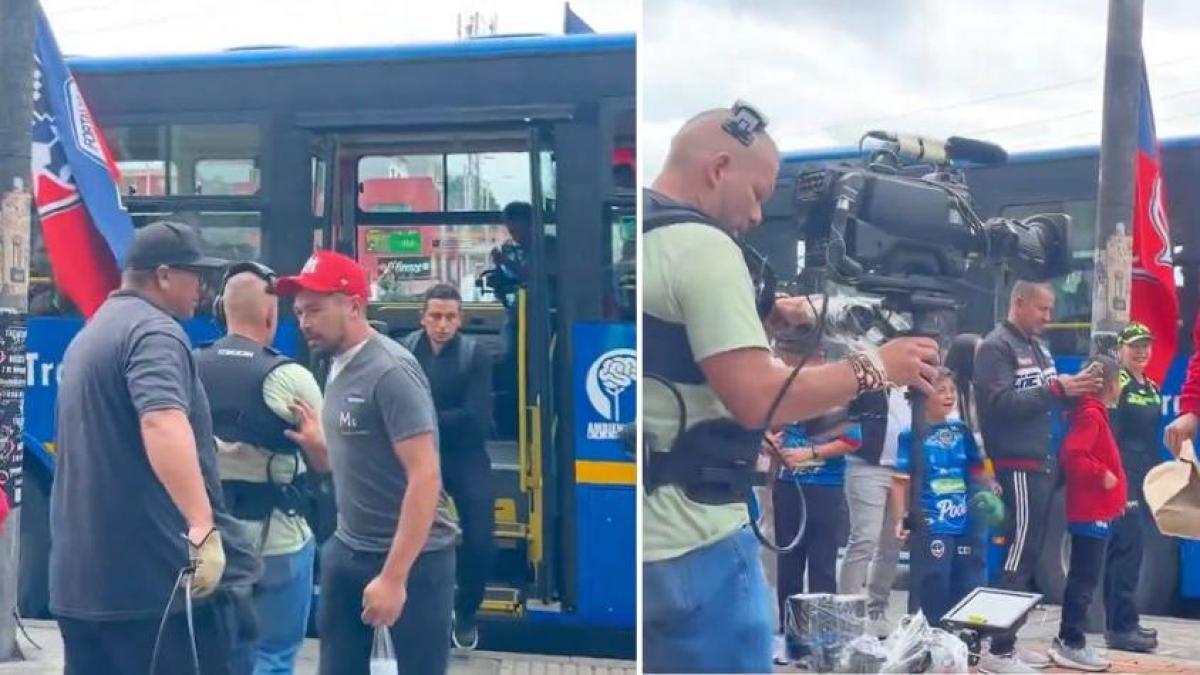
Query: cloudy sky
[104, 27]
[1023, 73]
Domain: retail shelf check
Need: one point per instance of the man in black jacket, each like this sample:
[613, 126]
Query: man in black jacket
[1016, 389]
[460, 373]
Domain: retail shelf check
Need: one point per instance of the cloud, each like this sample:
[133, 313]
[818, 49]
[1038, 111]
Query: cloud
[1023, 73]
[110, 27]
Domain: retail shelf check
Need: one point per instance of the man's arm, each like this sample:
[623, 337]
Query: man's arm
[994, 382]
[418, 507]
[292, 393]
[476, 410]
[747, 380]
[406, 406]
[171, 449]
[158, 375]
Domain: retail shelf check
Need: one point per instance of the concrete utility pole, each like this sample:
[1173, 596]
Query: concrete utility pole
[1114, 197]
[16, 118]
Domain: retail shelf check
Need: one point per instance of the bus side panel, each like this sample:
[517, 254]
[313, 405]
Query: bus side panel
[47, 342]
[605, 380]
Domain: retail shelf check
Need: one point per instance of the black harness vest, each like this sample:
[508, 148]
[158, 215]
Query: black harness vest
[712, 461]
[232, 371]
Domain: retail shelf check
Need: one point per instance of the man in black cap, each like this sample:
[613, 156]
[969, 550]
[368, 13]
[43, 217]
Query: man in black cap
[137, 516]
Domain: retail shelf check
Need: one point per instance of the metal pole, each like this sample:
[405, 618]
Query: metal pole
[1114, 197]
[16, 118]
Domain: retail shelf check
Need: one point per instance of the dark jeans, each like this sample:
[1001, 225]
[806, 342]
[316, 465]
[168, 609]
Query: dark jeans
[825, 508]
[467, 477]
[947, 567]
[1123, 566]
[1087, 556]
[421, 637]
[1026, 496]
[225, 635]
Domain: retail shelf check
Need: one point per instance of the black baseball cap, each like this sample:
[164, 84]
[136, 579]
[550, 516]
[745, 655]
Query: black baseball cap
[171, 244]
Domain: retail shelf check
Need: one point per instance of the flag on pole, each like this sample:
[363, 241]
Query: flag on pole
[1153, 296]
[572, 24]
[76, 185]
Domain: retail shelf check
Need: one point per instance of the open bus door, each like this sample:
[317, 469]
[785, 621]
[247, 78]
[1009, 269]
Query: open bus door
[413, 196]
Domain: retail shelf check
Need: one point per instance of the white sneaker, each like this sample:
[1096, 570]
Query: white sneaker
[780, 651]
[1033, 659]
[1008, 663]
[1082, 658]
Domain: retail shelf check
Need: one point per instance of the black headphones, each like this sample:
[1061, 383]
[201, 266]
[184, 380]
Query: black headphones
[744, 122]
[257, 269]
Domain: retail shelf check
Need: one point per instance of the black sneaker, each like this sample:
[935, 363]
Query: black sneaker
[465, 635]
[1148, 632]
[1133, 641]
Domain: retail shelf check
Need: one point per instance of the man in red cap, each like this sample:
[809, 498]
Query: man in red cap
[390, 563]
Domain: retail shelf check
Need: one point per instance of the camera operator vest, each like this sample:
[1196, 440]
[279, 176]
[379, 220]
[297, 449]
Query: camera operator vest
[712, 461]
[232, 371]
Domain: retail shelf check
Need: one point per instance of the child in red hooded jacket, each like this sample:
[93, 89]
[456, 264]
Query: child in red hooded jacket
[1095, 481]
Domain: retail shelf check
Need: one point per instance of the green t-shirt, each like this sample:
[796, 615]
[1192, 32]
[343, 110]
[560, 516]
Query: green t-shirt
[694, 275]
[241, 461]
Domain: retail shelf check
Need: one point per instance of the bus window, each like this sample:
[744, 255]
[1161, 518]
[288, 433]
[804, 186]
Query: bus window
[215, 159]
[229, 235]
[622, 273]
[319, 176]
[203, 159]
[402, 262]
[434, 182]
[140, 153]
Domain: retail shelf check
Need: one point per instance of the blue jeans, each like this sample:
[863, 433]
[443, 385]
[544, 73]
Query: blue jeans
[708, 611]
[282, 599]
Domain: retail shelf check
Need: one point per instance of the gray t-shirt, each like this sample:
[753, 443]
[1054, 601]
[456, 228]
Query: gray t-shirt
[117, 539]
[378, 398]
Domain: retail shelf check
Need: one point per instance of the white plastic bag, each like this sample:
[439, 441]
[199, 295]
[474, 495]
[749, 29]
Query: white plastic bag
[383, 656]
[947, 653]
[906, 650]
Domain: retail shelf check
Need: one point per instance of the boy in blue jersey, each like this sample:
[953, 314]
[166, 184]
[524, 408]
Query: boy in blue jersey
[948, 554]
[814, 459]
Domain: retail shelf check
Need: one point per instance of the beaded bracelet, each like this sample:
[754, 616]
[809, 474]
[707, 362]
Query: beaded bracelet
[868, 372]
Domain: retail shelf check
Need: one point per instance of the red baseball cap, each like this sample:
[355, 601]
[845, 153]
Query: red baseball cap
[327, 272]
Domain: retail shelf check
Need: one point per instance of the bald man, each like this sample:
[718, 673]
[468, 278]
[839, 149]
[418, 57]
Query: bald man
[1017, 388]
[706, 606]
[266, 419]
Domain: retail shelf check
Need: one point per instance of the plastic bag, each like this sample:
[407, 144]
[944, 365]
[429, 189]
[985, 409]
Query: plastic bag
[947, 653]
[906, 650]
[383, 656]
[917, 647]
[863, 654]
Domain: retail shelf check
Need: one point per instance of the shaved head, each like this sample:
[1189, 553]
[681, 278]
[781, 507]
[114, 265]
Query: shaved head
[250, 309]
[711, 170]
[1031, 306]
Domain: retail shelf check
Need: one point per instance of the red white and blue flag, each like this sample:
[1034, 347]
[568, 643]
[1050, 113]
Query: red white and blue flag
[75, 184]
[1153, 298]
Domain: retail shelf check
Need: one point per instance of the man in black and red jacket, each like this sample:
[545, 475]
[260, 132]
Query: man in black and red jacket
[1017, 388]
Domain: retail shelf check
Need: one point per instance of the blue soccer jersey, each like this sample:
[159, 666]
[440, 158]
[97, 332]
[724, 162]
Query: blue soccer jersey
[823, 470]
[950, 454]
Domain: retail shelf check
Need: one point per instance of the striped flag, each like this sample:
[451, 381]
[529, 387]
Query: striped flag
[76, 186]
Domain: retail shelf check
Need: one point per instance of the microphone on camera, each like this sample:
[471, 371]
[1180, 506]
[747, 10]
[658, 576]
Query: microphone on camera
[938, 151]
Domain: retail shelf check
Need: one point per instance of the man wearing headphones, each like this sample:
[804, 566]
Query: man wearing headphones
[266, 419]
[705, 603]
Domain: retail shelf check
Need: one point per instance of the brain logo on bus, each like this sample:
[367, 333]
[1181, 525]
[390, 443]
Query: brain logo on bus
[608, 378]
